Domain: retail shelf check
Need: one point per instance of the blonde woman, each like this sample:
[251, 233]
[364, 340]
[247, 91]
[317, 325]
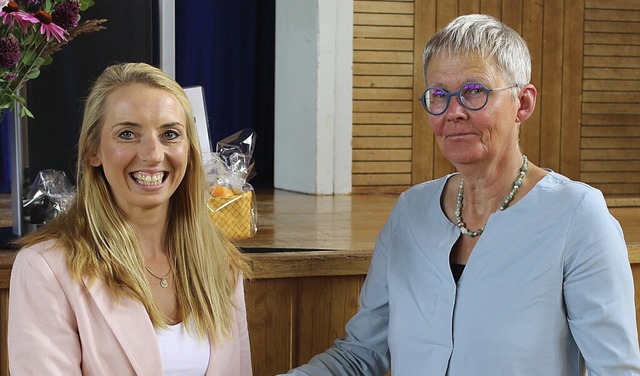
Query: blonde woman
[133, 279]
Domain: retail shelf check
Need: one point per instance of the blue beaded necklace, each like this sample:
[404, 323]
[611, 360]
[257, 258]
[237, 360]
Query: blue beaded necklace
[460, 197]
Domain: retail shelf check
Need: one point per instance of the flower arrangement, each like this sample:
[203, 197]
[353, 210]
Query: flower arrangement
[31, 31]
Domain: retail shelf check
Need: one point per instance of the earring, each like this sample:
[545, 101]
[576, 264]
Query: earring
[94, 162]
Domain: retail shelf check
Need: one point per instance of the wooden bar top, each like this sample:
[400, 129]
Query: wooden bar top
[305, 235]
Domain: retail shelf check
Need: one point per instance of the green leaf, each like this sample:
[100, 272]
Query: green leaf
[86, 4]
[48, 60]
[28, 57]
[25, 112]
[33, 74]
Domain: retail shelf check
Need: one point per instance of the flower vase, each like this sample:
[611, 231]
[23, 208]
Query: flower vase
[17, 150]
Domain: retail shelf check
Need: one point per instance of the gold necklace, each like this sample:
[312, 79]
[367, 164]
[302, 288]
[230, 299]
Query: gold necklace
[163, 279]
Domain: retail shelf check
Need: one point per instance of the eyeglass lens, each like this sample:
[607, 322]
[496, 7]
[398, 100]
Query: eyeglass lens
[472, 95]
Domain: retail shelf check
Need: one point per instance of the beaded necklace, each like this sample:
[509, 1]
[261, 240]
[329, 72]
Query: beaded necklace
[460, 197]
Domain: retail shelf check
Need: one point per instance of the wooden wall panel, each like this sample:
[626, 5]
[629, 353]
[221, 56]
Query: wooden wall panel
[383, 94]
[610, 137]
[585, 65]
[270, 317]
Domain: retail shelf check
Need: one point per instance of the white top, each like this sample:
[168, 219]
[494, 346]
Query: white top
[183, 353]
[548, 281]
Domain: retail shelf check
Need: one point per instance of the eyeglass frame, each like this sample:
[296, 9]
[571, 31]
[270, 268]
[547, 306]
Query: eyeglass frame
[461, 100]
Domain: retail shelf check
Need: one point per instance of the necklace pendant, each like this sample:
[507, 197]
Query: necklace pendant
[164, 283]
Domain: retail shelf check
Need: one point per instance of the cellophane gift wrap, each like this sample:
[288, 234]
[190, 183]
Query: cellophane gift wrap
[50, 194]
[231, 199]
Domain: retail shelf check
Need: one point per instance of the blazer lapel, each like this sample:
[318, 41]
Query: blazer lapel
[132, 328]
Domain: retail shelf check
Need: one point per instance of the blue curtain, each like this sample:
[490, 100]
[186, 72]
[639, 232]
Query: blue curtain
[227, 47]
[5, 181]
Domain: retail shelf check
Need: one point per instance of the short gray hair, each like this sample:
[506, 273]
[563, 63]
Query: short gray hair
[488, 37]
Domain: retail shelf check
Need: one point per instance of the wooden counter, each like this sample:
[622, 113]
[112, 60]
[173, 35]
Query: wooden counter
[310, 256]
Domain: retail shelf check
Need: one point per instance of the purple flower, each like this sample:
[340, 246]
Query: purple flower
[66, 15]
[9, 51]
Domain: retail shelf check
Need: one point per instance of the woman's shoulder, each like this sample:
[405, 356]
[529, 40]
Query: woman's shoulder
[556, 182]
[49, 251]
[558, 190]
[427, 188]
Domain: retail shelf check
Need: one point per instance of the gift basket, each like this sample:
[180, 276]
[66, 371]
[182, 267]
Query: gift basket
[50, 194]
[231, 199]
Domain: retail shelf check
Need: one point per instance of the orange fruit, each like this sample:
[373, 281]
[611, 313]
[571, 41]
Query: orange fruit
[220, 191]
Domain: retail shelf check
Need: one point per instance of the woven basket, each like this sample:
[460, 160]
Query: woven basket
[234, 216]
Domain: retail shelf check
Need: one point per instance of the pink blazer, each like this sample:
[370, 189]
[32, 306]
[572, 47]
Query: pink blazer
[59, 326]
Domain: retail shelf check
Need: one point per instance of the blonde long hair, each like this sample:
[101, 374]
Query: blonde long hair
[102, 245]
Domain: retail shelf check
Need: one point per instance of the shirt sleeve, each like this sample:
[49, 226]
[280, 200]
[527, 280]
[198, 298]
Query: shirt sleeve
[42, 331]
[599, 291]
[364, 350]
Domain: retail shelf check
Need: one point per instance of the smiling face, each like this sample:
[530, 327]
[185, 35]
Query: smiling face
[143, 146]
[465, 136]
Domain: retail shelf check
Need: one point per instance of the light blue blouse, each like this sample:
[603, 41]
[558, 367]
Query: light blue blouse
[547, 290]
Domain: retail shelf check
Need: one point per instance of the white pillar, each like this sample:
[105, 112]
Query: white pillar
[313, 96]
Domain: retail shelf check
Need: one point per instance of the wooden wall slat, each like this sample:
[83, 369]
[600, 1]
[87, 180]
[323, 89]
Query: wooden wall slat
[382, 179]
[398, 143]
[382, 32]
[611, 4]
[609, 108]
[611, 14]
[610, 143]
[594, 166]
[609, 85]
[571, 89]
[551, 87]
[610, 119]
[530, 131]
[381, 106]
[611, 50]
[610, 97]
[611, 38]
[383, 44]
[382, 69]
[383, 81]
[381, 130]
[382, 167]
[382, 155]
[610, 154]
[383, 7]
[382, 93]
[381, 118]
[604, 131]
[384, 19]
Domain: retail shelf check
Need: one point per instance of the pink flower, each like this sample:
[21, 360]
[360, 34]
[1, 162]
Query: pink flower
[48, 28]
[3, 3]
[11, 13]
